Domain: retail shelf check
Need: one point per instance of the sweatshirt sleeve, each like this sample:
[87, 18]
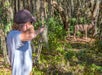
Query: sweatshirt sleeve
[17, 40]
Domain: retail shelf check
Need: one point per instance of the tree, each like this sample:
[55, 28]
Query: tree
[7, 16]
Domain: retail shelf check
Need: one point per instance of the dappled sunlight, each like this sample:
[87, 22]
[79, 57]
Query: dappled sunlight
[71, 43]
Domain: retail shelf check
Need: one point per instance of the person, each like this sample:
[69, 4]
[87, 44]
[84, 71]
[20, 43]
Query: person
[19, 42]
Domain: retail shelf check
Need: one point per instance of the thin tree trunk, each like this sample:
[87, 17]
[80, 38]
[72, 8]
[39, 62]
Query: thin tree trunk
[31, 1]
[38, 9]
[72, 7]
[18, 5]
[96, 14]
[49, 8]
[62, 14]
[40, 40]
[24, 3]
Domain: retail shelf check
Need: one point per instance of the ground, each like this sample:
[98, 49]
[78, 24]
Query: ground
[4, 70]
[81, 40]
[81, 43]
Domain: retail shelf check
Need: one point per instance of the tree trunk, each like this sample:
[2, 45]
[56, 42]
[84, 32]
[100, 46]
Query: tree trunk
[8, 16]
[3, 47]
[62, 14]
[96, 14]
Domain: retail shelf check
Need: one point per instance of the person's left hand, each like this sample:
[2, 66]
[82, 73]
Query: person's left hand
[42, 29]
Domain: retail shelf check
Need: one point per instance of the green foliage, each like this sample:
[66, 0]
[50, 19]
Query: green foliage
[56, 28]
[73, 21]
[35, 71]
[81, 20]
[94, 67]
[5, 72]
[87, 60]
[3, 19]
[89, 56]
[7, 27]
[97, 46]
[55, 32]
[6, 4]
[70, 54]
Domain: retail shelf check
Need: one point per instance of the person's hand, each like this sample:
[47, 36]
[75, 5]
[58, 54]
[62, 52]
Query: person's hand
[42, 29]
[30, 29]
[30, 33]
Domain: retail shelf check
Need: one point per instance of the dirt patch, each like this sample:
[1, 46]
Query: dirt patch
[80, 40]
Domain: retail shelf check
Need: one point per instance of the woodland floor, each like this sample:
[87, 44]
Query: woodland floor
[80, 41]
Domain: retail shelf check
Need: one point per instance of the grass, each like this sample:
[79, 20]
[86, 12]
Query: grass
[5, 71]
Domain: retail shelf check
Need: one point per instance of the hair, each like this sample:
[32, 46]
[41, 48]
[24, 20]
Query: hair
[16, 26]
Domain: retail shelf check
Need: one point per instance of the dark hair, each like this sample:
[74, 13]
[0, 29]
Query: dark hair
[17, 26]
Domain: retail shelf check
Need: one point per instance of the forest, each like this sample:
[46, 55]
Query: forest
[71, 43]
